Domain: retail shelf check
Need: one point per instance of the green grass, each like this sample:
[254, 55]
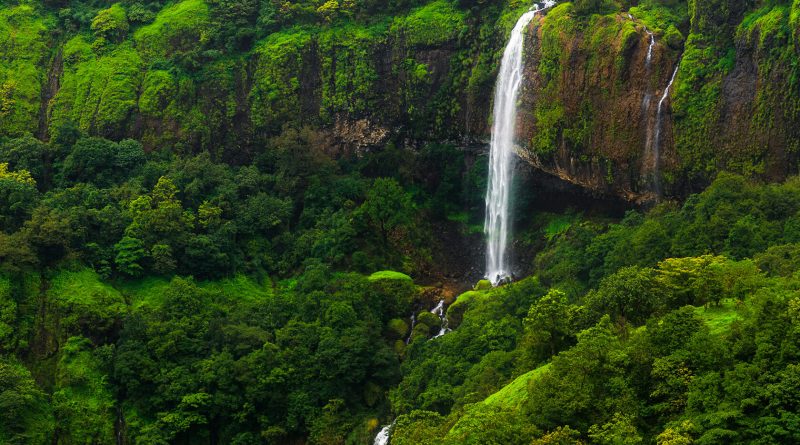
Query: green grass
[150, 291]
[515, 394]
[80, 287]
[388, 275]
[719, 318]
[83, 397]
[83, 301]
[144, 292]
[240, 288]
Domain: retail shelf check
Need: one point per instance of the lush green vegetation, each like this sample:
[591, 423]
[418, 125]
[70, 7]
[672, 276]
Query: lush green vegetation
[676, 326]
[227, 221]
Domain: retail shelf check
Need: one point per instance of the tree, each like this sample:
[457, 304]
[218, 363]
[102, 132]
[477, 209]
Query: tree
[130, 253]
[387, 209]
[90, 160]
[160, 224]
[677, 435]
[630, 295]
[26, 415]
[111, 24]
[620, 430]
[18, 196]
[560, 436]
[550, 324]
[31, 154]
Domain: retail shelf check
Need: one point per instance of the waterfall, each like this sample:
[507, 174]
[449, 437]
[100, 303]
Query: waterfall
[440, 312]
[647, 60]
[384, 435]
[413, 323]
[649, 48]
[647, 63]
[655, 144]
[653, 140]
[501, 155]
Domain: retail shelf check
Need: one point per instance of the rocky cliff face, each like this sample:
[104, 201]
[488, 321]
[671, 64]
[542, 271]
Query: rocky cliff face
[589, 106]
[591, 101]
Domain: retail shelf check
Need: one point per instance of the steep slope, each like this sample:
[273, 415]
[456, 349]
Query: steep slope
[404, 76]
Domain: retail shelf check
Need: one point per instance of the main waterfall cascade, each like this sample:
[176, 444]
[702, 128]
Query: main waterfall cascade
[501, 155]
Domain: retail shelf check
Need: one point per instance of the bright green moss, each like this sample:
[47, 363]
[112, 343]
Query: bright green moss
[85, 301]
[274, 98]
[83, 398]
[432, 24]
[348, 69]
[658, 16]
[98, 93]
[768, 24]
[515, 394]
[158, 90]
[178, 27]
[695, 105]
[240, 288]
[111, 24]
[23, 49]
[389, 275]
[549, 123]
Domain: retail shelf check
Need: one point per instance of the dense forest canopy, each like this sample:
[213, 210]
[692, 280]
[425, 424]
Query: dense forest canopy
[229, 221]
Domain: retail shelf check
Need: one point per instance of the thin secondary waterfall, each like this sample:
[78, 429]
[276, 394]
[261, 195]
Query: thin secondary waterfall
[656, 143]
[649, 48]
[653, 141]
[501, 156]
[647, 63]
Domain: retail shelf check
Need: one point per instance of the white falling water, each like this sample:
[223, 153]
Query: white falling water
[442, 314]
[655, 149]
[647, 62]
[502, 154]
[649, 48]
[384, 435]
[413, 323]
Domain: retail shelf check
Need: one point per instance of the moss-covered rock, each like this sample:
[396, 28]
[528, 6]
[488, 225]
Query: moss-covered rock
[429, 319]
[23, 51]
[397, 328]
[99, 92]
[483, 285]
[177, 28]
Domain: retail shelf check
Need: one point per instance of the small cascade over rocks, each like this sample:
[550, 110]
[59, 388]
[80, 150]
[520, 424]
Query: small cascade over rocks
[384, 435]
[501, 155]
[649, 57]
[440, 312]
